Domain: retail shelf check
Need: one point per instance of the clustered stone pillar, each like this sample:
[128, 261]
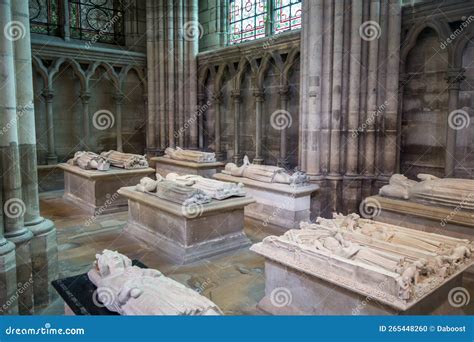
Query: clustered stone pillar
[284, 96]
[235, 94]
[48, 96]
[85, 98]
[217, 124]
[118, 119]
[173, 32]
[454, 79]
[33, 236]
[348, 105]
[259, 98]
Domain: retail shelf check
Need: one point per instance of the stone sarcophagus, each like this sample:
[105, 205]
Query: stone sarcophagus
[96, 191]
[186, 224]
[187, 162]
[350, 265]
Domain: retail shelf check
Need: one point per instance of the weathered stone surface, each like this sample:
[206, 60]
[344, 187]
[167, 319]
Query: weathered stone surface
[96, 191]
[277, 204]
[186, 234]
[167, 165]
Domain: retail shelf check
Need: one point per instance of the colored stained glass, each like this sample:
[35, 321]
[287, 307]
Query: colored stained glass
[287, 15]
[247, 20]
[44, 17]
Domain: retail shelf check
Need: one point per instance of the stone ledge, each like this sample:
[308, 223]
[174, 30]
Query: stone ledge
[190, 164]
[112, 172]
[270, 187]
[176, 209]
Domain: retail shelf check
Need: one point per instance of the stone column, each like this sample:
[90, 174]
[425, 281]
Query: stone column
[200, 117]
[191, 62]
[171, 72]
[48, 96]
[10, 165]
[85, 98]
[454, 78]
[284, 92]
[217, 125]
[235, 94]
[118, 119]
[392, 87]
[152, 66]
[43, 245]
[259, 98]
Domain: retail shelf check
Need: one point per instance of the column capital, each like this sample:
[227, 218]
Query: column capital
[118, 97]
[48, 94]
[284, 91]
[217, 97]
[259, 94]
[454, 77]
[235, 94]
[85, 96]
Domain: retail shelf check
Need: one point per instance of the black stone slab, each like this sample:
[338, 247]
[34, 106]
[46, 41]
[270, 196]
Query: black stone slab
[78, 293]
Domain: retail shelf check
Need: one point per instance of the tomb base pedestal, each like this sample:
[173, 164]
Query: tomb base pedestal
[166, 165]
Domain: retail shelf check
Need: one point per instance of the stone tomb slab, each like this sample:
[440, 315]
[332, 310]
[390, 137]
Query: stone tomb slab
[166, 165]
[278, 204]
[96, 191]
[454, 222]
[214, 228]
[296, 285]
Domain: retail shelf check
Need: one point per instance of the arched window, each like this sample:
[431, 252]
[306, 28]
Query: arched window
[286, 15]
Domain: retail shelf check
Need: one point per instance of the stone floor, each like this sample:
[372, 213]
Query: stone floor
[234, 281]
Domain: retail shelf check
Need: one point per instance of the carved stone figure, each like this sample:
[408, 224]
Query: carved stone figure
[130, 290]
[125, 160]
[266, 173]
[173, 191]
[409, 260]
[190, 155]
[89, 161]
[214, 188]
[450, 192]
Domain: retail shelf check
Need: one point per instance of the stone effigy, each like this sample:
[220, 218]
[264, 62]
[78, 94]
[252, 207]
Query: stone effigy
[214, 188]
[130, 290]
[190, 155]
[266, 173]
[449, 192]
[126, 161]
[173, 191]
[89, 161]
[393, 265]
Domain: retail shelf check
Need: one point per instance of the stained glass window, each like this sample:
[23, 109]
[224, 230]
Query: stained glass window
[97, 20]
[247, 20]
[44, 16]
[286, 15]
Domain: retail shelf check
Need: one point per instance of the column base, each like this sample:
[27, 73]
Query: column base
[258, 161]
[52, 160]
[236, 159]
[22, 241]
[8, 287]
[44, 255]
